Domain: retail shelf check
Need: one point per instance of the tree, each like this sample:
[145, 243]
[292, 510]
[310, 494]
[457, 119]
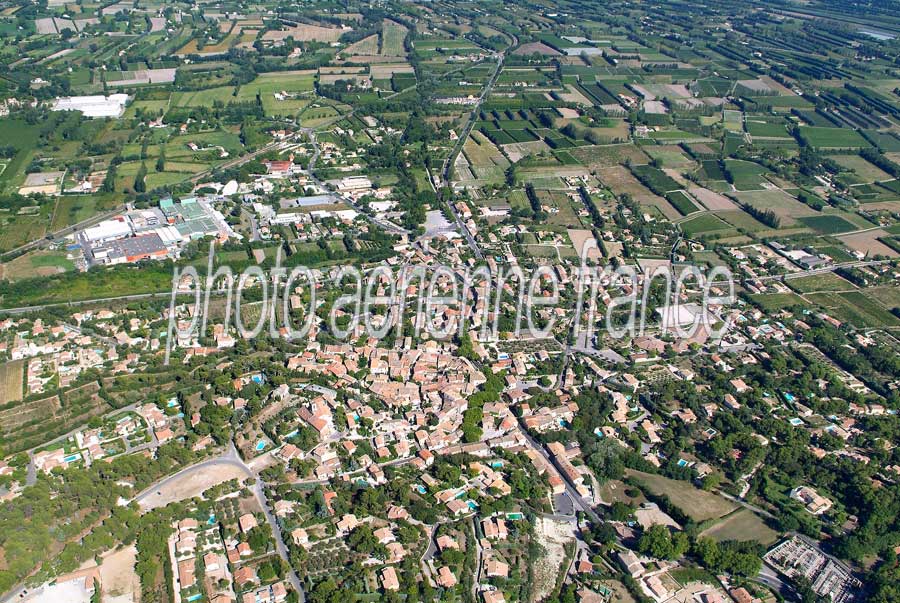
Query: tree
[139, 185]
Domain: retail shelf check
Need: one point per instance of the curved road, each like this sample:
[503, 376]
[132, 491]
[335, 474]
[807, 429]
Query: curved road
[231, 458]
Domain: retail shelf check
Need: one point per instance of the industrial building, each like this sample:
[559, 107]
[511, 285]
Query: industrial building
[108, 230]
[93, 106]
[133, 249]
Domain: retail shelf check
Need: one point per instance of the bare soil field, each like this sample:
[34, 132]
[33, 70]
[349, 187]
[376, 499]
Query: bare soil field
[120, 582]
[868, 243]
[191, 484]
[536, 47]
[579, 238]
[711, 200]
[11, 374]
[306, 33]
[553, 536]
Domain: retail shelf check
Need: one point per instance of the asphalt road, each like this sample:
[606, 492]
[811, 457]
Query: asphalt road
[231, 458]
[448, 163]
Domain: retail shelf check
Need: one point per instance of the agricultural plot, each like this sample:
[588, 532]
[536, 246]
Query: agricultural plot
[827, 224]
[670, 156]
[762, 128]
[19, 226]
[868, 243]
[782, 204]
[11, 381]
[608, 155]
[827, 281]
[305, 33]
[866, 172]
[711, 200]
[392, 36]
[832, 138]
[683, 203]
[778, 301]
[203, 98]
[267, 84]
[856, 308]
[706, 224]
[745, 175]
[368, 46]
[485, 159]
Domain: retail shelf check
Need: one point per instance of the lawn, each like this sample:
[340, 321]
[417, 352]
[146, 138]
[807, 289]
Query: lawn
[697, 504]
[741, 525]
[37, 263]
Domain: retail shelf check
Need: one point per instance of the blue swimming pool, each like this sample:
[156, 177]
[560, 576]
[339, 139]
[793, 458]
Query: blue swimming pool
[472, 504]
[194, 597]
[260, 445]
[257, 379]
[71, 458]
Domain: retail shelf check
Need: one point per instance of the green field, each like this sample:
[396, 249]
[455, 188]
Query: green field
[37, 263]
[742, 525]
[832, 138]
[704, 224]
[777, 301]
[827, 224]
[856, 308]
[827, 281]
[697, 504]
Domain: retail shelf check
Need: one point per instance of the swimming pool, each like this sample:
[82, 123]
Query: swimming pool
[194, 597]
[472, 504]
[260, 445]
[71, 458]
[257, 379]
[514, 516]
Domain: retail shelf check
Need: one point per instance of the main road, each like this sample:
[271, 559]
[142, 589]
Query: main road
[448, 163]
